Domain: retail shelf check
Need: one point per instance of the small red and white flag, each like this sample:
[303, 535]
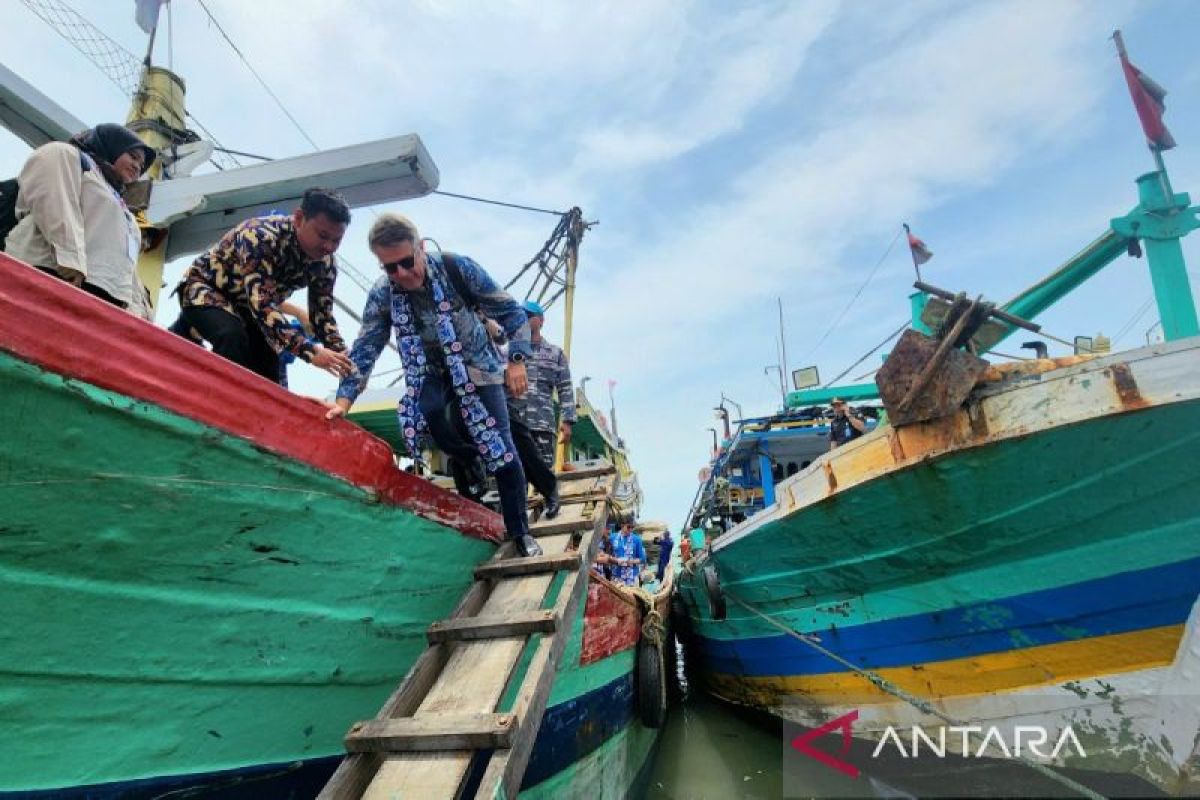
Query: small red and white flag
[920, 253]
[1147, 100]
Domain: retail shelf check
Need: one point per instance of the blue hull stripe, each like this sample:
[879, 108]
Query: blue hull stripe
[572, 730]
[1165, 596]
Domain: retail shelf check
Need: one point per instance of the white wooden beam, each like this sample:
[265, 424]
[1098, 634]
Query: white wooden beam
[32, 116]
[199, 209]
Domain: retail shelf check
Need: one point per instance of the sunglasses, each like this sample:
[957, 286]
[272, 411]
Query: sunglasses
[406, 263]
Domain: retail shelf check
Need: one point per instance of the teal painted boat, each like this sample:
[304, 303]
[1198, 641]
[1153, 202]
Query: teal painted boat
[200, 573]
[1018, 548]
[207, 583]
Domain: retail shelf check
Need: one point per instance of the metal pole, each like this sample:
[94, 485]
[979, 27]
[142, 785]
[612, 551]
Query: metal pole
[782, 339]
[907, 233]
[735, 404]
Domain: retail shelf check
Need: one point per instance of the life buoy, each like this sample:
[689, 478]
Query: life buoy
[651, 683]
[716, 597]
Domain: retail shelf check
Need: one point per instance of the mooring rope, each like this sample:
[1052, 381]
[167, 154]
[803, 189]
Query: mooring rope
[921, 704]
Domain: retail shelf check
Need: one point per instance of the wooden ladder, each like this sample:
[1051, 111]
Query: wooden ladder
[446, 713]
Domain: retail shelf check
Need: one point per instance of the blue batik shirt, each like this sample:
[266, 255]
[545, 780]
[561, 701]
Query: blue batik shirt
[628, 546]
[484, 364]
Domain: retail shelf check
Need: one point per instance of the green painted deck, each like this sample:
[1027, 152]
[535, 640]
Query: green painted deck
[201, 604]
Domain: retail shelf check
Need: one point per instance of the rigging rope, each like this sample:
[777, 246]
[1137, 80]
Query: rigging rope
[868, 354]
[1137, 315]
[121, 67]
[500, 203]
[118, 64]
[922, 705]
[257, 77]
[853, 299]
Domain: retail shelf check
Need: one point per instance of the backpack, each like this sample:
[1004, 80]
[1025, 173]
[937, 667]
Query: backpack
[8, 200]
[454, 273]
[8, 208]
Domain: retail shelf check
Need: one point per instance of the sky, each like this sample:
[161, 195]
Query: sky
[734, 155]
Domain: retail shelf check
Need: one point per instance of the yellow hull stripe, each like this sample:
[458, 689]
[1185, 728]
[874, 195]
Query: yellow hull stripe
[1044, 665]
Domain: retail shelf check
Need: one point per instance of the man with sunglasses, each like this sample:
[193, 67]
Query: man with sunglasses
[452, 370]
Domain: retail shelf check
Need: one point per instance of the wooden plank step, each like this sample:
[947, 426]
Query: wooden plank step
[557, 526]
[493, 627]
[586, 472]
[551, 562]
[432, 732]
[594, 497]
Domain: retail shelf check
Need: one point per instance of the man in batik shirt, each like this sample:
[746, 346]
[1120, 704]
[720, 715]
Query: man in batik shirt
[231, 295]
[629, 554]
[535, 430]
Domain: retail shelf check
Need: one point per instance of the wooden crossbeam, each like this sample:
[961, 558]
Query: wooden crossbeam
[433, 732]
[587, 472]
[552, 562]
[557, 527]
[493, 627]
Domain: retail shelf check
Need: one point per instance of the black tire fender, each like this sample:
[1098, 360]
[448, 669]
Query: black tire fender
[651, 684]
[716, 597]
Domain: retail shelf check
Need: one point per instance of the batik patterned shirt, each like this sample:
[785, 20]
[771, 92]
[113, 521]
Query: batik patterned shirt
[254, 268]
[484, 364]
[628, 547]
[548, 372]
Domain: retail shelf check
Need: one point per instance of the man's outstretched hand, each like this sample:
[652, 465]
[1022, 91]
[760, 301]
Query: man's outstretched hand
[335, 363]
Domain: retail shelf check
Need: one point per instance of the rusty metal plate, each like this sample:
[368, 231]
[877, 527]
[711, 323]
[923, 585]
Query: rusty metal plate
[947, 390]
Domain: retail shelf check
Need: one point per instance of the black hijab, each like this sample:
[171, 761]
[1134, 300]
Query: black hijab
[106, 142]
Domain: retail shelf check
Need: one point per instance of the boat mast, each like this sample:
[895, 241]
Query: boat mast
[574, 237]
[157, 110]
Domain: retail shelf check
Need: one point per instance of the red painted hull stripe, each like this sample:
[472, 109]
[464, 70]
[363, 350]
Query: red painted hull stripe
[66, 331]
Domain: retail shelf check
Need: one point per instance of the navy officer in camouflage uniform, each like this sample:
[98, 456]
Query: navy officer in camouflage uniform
[531, 417]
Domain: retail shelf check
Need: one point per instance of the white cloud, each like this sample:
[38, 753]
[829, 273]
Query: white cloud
[733, 153]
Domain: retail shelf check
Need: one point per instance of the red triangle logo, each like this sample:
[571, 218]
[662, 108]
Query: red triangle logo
[843, 723]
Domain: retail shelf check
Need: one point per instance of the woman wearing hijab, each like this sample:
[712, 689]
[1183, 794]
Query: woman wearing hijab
[72, 222]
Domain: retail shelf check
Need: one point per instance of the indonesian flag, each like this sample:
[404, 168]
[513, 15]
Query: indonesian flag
[1147, 101]
[920, 253]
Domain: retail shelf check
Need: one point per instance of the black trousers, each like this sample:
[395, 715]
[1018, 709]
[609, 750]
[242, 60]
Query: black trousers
[90, 288]
[531, 452]
[233, 337]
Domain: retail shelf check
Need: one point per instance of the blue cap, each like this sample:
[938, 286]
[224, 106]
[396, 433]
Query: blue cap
[534, 309]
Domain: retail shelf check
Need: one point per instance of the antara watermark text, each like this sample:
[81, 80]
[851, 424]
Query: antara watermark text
[964, 741]
[977, 741]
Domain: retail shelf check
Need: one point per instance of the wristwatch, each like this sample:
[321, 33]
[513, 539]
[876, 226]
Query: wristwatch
[517, 358]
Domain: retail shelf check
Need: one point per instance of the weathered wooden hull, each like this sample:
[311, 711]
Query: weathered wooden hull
[592, 742]
[1034, 557]
[205, 584]
[199, 574]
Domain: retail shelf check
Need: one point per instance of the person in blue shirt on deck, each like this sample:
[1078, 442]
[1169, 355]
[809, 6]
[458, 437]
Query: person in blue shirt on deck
[665, 545]
[630, 553]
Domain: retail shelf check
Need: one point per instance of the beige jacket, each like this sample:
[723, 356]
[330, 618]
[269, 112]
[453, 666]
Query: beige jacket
[71, 218]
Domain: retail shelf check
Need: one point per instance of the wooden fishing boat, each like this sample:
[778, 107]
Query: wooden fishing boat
[206, 583]
[1018, 545]
[204, 580]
